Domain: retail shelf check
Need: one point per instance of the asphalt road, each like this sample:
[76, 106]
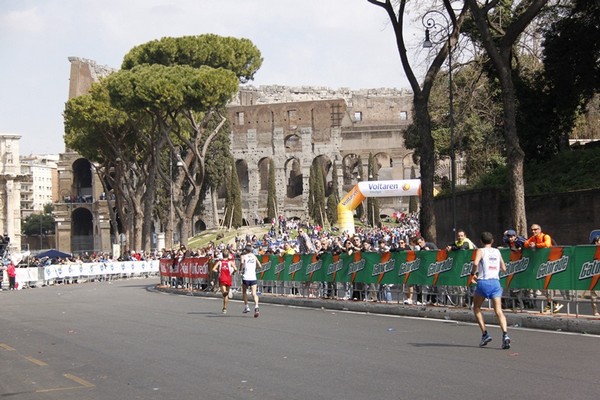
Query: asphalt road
[124, 341]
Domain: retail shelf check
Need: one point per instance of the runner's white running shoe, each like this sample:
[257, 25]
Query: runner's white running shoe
[505, 342]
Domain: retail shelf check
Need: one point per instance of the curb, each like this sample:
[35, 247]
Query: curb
[522, 320]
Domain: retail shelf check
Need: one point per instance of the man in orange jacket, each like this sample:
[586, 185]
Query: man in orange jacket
[540, 240]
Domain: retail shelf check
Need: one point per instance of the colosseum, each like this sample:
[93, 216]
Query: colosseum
[296, 126]
[293, 126]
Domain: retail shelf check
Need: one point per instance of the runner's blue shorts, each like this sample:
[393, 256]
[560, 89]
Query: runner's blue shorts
[249, 283]
[489, 288]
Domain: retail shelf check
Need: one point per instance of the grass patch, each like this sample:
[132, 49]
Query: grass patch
[566, 172]
[218, 236]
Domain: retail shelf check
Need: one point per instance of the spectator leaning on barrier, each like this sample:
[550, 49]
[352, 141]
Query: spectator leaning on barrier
[402, 245]
[305, 246]
[513, 241]
[358, 288]
[420, 243]
[349, 249]
[541, 240]
[321, 247]
[462, 242]
[372, 287]
[287, 249]
[538, 239]
[385, 290]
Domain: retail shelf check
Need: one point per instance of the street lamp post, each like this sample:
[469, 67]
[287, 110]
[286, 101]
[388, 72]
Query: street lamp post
[171, 209]
[372, 206]
[437, 32]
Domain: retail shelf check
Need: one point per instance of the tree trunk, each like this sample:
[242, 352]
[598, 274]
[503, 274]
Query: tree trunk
[185, 229]
[137, 227]
[500, 53]
[215, 210]
[169, 230]
[427, 166]
[515, 156]
[148, 203]
[137, 222]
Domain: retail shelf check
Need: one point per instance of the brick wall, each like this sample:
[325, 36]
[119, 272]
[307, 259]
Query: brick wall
[567, 217]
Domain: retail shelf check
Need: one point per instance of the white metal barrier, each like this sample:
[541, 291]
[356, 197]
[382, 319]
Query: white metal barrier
[81, 272]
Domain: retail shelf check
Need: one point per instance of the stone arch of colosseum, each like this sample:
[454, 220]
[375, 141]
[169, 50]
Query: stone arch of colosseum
[242, 172]
[82, 179]
[325, 164]
[350, 167]
[263, 173]
[293, 172]
[82, 230]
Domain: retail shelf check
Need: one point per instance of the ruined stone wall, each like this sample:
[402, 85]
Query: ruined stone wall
[296, 125]
[83, 73]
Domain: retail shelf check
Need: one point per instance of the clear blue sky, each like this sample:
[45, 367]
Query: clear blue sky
[333, 43]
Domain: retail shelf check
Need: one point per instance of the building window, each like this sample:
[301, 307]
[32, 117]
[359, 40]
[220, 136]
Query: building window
[292, 119]
[357, 116]
[240, 118]
[403, 115]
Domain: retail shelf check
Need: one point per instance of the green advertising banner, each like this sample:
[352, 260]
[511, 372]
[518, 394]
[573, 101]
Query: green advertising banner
[587, 267]
[539, 269]
[562, 268]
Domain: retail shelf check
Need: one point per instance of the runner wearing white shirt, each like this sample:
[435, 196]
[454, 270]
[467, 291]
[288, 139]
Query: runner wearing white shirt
[486, 273]
[249, 265]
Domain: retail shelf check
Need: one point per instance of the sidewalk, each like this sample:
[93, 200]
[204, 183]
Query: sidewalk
[524, 319]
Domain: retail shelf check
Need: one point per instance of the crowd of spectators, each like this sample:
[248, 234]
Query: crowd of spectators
[297, 237]
[287, 237]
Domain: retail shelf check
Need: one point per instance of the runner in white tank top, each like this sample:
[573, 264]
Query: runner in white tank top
[249, 264]
[488, 263]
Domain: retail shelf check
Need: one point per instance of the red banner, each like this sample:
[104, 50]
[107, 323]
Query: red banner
[192, 267]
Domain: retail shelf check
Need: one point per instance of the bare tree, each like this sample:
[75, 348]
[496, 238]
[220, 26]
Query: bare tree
[499, 39]
[422, 119]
